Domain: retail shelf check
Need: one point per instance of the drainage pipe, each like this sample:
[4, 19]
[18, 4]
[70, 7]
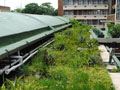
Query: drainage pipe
[21, 63]
[26, 56]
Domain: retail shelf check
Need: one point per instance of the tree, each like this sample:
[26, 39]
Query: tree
[55, 12]
[44, 9]
[19, 10]
[31, 8]
[48, 9]
[115, 31]
[47, 5]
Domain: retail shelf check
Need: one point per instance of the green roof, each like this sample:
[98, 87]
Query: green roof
[16, 30]
[14, 23]
[48, 20]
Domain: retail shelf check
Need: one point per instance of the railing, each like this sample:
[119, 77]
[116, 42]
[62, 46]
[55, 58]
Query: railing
[97, 6]
[114, 57]
[87, 16]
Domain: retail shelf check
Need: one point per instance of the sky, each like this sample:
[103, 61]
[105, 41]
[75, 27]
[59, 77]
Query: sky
[21, 3]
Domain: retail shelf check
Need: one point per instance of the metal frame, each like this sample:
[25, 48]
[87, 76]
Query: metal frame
[20, 60]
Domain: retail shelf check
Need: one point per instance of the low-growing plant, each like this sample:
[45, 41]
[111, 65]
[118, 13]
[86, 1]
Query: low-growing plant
[115, 70]
[72, 62]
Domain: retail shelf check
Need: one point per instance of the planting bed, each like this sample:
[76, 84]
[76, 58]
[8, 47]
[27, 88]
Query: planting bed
[72, 62]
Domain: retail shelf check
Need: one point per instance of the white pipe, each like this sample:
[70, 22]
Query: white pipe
[14, 67]
[15, 62]
[7, 67]
[48, 43]
[2, 70]
[32, 53]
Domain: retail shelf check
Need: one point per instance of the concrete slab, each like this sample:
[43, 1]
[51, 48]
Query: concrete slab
[114, 76]
[110, 67]
[104, 54]
[116, 80]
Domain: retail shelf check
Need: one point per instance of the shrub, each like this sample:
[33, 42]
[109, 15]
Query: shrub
[115, 31]
[72, 62]
[110, 26]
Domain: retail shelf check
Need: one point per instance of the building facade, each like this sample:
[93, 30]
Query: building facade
[4, 9]
[117, 12]
[114, 12]
[90, 12]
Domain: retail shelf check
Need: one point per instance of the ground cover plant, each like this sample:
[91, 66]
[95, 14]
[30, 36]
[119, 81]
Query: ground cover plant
[72, 62]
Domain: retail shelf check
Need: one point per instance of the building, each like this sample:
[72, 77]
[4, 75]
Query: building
[118, 11]
[90, 12]
[114, 14]
[4, 9]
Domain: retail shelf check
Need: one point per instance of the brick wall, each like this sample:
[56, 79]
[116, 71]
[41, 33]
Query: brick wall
[60, 7]
[4, 9]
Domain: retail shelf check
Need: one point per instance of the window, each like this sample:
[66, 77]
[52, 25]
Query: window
[80, 12]
[95, 22]
[89, 22]
[118, 11]
[105, 1]
[70, 2]
[75, 2]
[90, 2]
[100, 1]
[90, 12]
[75, 12]
[95, 12]
[95, 2]
[100, 23]
[85, 2]
[84, 12]
[80, 2]
[105, 12]
[101, 12]
[70, 12]
[65, 12]
[65, 2]
[85, 22]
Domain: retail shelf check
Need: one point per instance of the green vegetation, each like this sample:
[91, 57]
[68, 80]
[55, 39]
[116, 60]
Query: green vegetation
[114, 30]
[19, 10]
[72, 62]
[115, 70]
[34, 8]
